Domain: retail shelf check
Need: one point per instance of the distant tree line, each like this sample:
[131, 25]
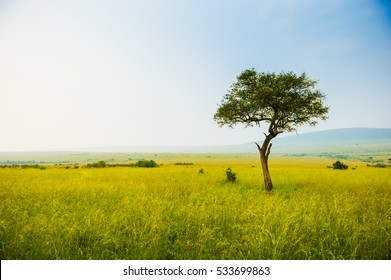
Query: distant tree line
[35, 166]
[379, 165]
[32, 162]
[140, 163]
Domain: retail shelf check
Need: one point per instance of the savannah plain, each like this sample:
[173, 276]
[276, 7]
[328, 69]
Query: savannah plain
[176, 211]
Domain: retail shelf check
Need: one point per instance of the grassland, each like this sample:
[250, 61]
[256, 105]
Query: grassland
[173, 212]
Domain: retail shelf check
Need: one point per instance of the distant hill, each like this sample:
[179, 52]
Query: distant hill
[371, 145]
[321, 141]
[335, 138]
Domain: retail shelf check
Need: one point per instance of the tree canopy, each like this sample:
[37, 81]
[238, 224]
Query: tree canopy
[284, 101]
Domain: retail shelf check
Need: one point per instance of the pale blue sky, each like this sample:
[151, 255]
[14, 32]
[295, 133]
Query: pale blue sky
[119, 73]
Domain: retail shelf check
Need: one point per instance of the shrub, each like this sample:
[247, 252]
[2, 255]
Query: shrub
[231, 176]
[339, 165]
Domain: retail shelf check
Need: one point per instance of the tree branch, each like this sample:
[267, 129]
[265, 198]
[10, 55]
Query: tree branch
[268, 150]
[259, 148]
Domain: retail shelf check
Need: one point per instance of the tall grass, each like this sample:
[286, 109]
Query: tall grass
[173, 212]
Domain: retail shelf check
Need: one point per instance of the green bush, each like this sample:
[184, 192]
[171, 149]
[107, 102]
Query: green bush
[140, 163]
[231, 176]
[145, 163]
[339, 165]
[99, 164]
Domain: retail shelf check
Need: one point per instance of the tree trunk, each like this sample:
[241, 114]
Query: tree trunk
[264, 156]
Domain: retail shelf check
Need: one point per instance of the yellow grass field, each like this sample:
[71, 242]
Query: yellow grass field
[174, 212]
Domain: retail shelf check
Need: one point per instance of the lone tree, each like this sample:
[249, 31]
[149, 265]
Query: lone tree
[283, 101]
